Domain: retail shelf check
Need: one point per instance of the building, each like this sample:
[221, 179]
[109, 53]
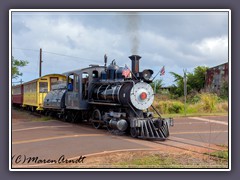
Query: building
[216, 77]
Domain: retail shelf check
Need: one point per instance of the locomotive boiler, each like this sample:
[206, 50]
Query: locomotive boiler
[118, 98]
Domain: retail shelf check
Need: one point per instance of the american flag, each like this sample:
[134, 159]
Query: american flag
[126, 72]
[162, 72]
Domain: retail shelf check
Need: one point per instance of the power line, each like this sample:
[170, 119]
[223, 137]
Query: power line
[69, 56]
[86, 59]
[27, 49]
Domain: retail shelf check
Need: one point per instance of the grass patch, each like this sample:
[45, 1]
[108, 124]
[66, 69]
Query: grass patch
[169, 106]
[208, 102]
[44, 118]
[146, 159]
[193, 114]
[222, 145]
[220, 154]
[171, 161]
[200, 105]
[151, 161]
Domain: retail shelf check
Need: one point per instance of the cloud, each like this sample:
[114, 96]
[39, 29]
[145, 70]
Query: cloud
[19, 28]
[163, 50]
[214, 49]
[187, 26]
[174, 40]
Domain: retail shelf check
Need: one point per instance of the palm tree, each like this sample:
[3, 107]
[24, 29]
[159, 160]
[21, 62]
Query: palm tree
[156, 85]
[179, 87]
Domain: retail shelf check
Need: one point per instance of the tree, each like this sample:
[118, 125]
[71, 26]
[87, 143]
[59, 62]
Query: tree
[224, 90]
[15, 67]
[177, 89]
[195, 81]
[157, 84]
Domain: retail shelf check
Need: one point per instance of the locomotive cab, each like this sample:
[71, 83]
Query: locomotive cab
[82, 81]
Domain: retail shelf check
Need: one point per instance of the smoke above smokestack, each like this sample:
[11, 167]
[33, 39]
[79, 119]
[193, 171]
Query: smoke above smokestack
[133, 24]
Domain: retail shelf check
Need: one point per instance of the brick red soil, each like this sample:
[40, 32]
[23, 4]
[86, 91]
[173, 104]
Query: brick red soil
[21, 116]
[125, 159]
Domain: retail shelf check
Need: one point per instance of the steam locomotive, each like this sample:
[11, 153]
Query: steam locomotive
[111, 96]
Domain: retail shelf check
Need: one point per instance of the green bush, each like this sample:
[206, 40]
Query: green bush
[222, 107]
[200, 103]
[208, 102]
[192, 108]
[224, 90]
[167, 107]
[162, 106]
[225, 106]
[195, 99]
[176, 107]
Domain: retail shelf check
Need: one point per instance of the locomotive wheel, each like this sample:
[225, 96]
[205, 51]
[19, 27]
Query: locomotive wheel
[59, 116]
[134, 132]
[68, 117]
[46, 113]
[96, 115]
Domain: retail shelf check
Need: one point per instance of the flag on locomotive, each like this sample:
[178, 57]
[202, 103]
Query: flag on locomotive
[162, 72]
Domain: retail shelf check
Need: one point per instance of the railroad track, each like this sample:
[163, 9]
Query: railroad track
[174, 142]
[191, 147]
[36, 114]
[192, 144]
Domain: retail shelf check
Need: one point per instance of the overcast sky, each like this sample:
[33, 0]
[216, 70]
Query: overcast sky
[176, 40]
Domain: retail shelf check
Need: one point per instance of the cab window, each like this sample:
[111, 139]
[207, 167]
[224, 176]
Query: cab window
[85, 79]
[70, 82]
[95, 74]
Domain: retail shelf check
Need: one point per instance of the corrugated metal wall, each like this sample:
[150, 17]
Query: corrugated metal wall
[215, 77]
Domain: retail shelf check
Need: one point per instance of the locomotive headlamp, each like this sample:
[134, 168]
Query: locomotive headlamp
[143, 96]
[147, 74]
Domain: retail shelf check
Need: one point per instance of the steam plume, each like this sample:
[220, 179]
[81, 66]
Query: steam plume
[133, 23]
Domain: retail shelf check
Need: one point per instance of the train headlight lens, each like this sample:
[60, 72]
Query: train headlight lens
[143, 96]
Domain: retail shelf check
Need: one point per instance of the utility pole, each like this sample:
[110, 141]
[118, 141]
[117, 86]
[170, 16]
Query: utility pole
[40, 63]
[185, 89]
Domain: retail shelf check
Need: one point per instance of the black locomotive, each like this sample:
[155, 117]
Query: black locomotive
[111, 96]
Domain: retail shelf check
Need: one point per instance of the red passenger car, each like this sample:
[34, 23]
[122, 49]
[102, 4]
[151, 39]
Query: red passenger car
[17, 95]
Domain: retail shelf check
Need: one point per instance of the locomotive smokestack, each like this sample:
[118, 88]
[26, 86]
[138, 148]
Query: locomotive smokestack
[135, 63]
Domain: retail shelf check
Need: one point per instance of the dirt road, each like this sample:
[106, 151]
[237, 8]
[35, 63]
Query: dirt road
[37, 144]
